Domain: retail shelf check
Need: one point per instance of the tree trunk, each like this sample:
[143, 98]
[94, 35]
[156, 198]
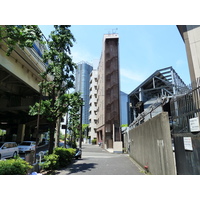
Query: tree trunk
[52, 124]
[57, 138]
[52, 133]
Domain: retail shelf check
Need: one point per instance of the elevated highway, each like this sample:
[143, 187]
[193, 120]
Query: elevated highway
[19, 78]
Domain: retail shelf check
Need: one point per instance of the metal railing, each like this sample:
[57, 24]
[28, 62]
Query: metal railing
[184, 107]
[142, 117]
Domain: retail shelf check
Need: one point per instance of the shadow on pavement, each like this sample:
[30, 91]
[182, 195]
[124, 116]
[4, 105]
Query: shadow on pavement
[82, 167]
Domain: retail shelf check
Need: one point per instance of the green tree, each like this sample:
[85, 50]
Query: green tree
[85, 130]
[84, 126]
[22, 35]
[74, 115]
[124, 125]
[58, 78]
[2, 132]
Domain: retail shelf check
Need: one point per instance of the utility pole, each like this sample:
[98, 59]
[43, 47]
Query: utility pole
[81, 108]
[66, 124]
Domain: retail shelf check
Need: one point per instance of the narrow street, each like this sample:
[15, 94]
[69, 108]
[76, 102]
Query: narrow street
[97, 161]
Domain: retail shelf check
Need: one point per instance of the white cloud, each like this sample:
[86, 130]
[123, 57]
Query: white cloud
[79, 55]
[131, 74]
[179, 63]
[130, 79]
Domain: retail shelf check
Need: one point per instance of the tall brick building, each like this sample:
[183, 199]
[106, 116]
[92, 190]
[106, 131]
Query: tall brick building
[108, 93]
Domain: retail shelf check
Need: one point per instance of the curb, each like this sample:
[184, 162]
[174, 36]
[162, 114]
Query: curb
[136, 164]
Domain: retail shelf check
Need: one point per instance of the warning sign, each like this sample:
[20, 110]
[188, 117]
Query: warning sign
[194, 124]
[188, 143]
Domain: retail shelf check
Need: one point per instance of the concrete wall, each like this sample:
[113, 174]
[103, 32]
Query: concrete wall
[150, 144]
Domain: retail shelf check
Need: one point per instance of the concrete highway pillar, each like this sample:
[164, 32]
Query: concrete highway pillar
[21, 132]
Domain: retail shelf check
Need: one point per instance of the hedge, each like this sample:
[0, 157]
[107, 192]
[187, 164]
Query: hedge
[65, 155]
[94, 141]
[61, 157]
[14, 167]
[50, 162]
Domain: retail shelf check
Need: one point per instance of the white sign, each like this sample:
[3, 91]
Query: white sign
[187, 143]
[194, 124]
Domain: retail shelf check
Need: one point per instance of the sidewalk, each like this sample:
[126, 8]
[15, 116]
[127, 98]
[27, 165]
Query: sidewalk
[109, 150]
[98, 161]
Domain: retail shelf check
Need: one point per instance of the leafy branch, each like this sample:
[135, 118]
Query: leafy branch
[22, 35]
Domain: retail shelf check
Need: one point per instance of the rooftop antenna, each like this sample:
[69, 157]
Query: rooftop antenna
[112, 31]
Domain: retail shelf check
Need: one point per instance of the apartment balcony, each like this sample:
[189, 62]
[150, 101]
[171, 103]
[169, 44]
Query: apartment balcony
[92, 116]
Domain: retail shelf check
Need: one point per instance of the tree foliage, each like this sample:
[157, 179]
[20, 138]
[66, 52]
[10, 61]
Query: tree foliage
[74, 114]
[124, 125]
[84, 126]
[59, 75]
[57, 79]
[2, 132]
[22, 35]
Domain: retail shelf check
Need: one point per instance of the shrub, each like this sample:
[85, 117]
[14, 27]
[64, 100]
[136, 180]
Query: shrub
[94, 141]
[50, 162]
[14, 167]
[61, 157]
[65, 155]
[72, 152]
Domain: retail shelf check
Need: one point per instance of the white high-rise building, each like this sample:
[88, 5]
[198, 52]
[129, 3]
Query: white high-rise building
[93, 105]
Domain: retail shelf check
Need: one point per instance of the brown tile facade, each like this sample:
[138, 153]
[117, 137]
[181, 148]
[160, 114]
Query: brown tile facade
[108, 127]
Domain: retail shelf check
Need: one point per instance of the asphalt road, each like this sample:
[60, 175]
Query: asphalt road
[97, 161]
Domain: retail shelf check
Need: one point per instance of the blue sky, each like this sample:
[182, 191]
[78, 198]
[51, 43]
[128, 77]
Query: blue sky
[143, 50]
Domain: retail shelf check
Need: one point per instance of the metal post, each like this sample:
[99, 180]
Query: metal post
[113, 133]
[66, 124]
[81, 108]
